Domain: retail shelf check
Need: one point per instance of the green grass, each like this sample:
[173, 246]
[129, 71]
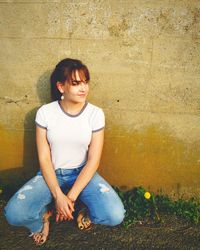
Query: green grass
[139, 208]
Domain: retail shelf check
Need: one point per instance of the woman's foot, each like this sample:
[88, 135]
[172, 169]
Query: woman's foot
[41, 237]
[83, 220]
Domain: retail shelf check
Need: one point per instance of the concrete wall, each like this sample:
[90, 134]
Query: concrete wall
[144, 59]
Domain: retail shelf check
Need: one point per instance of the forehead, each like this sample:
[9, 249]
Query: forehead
[78, 75]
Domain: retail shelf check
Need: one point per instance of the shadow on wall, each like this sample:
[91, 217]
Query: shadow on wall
[12, 179]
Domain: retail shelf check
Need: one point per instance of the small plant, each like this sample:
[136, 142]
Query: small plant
[141, 205]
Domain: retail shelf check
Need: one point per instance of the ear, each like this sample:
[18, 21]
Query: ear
[60, 86]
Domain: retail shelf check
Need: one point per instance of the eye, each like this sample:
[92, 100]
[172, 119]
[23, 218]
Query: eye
[75, 83]
[86, 82]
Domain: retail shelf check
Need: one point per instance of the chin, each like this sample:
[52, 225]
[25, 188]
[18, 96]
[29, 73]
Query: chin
[82, 99]
[79, 101]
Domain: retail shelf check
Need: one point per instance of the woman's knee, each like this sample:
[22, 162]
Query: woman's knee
[116, 212]
[116, 216]
[111, 217]
[14, 213]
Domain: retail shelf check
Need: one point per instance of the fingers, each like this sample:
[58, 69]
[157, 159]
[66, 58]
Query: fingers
[71, 205]
[61, 217]
[62, 210]
[66, 211]
[69, 213]
[57, 217]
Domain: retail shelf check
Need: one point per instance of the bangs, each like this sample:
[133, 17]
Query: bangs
[83, 74]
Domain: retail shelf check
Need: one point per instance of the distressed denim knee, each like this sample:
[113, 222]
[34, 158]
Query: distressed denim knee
[116, 217]
[26, 205]
[14, 214]
[111, 218]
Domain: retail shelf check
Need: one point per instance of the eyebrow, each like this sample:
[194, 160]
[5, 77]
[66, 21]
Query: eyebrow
[73, 80]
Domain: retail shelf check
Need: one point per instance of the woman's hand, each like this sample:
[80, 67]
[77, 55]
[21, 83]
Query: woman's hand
[64, 208]
[61, 217]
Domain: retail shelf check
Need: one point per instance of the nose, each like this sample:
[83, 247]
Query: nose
[82, 85]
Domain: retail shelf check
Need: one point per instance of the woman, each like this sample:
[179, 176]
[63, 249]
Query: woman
[69, 137]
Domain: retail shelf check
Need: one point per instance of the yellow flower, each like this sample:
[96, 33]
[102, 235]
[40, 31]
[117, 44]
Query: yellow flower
[1, 191]
[147, 195]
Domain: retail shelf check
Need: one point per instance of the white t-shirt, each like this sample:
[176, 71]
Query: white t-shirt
[69, 135]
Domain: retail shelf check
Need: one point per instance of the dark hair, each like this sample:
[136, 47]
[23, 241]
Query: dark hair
[64, 71]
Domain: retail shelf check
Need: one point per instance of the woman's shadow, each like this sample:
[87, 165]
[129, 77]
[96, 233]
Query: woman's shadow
[12, 179]
[30, 159]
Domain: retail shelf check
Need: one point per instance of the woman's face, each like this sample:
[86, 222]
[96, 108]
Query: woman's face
[77, 91]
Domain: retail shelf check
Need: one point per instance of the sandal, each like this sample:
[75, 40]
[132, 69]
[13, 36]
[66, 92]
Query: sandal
[83, 220]
[41, 235]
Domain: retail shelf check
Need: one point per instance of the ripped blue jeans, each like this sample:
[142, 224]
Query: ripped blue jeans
[28, 205]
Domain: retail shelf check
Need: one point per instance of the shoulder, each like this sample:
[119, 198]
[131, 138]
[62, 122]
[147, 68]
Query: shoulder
[44, 114]
[96, 117]
[93, 109]
[48, 107]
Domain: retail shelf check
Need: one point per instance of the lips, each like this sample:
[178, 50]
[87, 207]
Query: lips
[82, 95]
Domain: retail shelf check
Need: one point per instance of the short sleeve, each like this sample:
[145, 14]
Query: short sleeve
[98, 121]
[40, 118]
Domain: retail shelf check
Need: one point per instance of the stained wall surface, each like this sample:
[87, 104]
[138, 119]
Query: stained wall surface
[144, 59]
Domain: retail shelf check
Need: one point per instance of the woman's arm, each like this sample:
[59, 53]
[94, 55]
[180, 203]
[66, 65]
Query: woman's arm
[86, 174]
[47, 169]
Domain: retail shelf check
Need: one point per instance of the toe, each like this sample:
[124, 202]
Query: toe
[43, 239]
[86, 222]
[37, 237]
[80, 225]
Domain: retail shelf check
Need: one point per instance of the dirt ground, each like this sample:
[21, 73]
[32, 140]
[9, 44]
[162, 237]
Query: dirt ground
[175, 233]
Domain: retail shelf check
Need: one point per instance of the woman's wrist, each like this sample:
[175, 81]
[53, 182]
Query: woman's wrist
[71, 197]
[57, 193]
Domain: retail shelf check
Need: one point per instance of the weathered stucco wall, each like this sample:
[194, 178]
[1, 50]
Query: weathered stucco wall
[144, 58]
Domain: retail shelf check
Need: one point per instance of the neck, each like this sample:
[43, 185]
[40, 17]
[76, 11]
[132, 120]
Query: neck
[72, 107]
